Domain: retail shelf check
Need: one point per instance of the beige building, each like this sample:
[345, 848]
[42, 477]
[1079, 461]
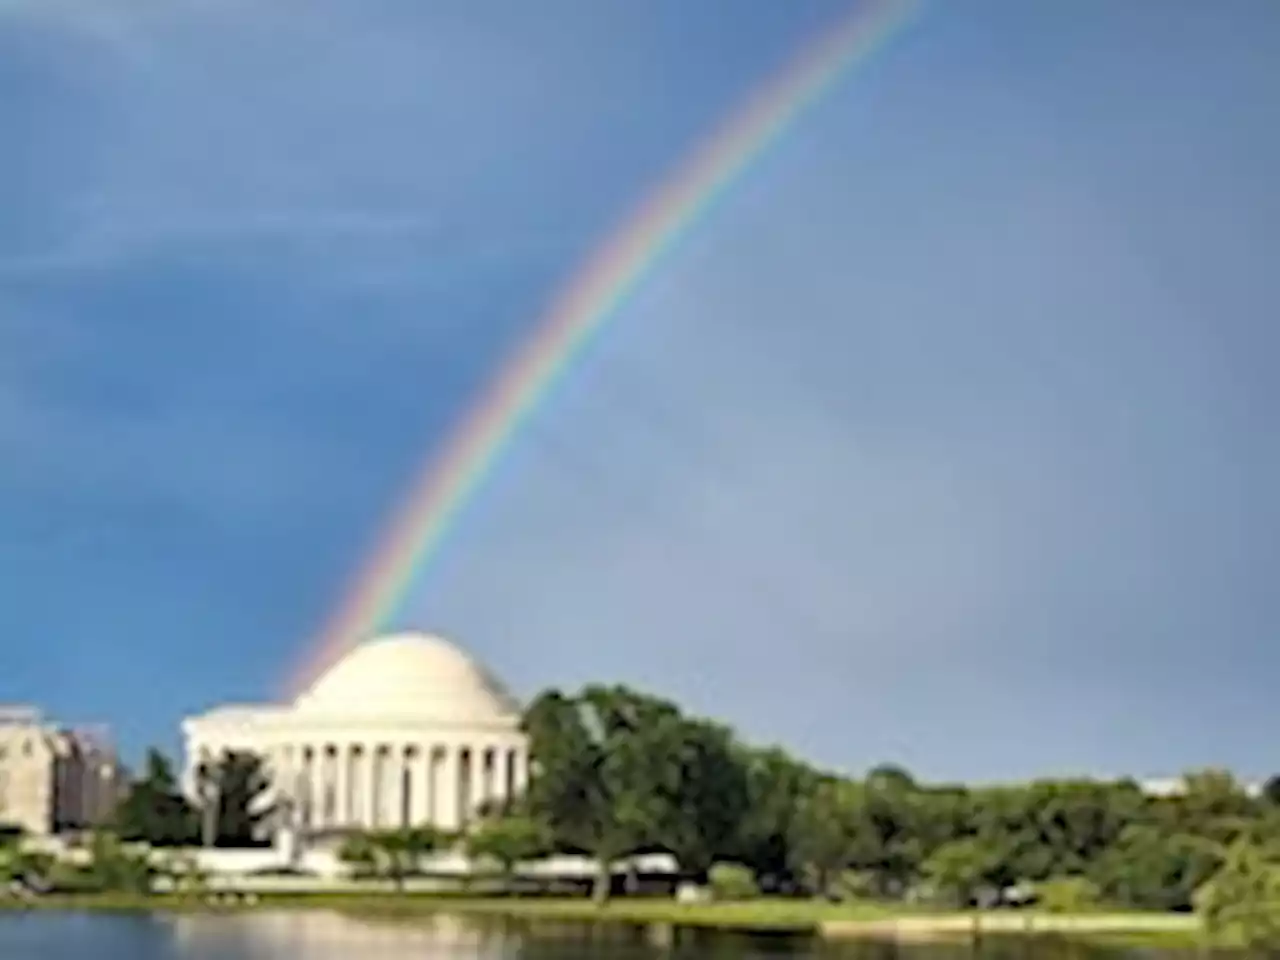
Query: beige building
[54, 779]
[406, 730]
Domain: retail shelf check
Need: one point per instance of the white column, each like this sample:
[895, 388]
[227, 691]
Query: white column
[477, 781]
[463, 787]
[397, 785]
[373, 795]
[320, 773]
[335, 784]
[360, 773]
[488, 775]
[419, 762]
[389, 809]
[319, 761]
[392, 787]
[355, 786]
[507, 777]
[431, 787]
[342, 788]
[306, 798]
[447, 788]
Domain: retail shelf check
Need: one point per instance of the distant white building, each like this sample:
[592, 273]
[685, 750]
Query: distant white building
[1174, 786]
[54, 779]
[406, 730]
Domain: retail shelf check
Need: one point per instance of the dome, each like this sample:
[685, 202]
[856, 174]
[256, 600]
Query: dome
[412, 675]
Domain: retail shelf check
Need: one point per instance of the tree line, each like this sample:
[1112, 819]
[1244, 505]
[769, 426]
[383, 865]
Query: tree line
[619, 772]
[227, 811]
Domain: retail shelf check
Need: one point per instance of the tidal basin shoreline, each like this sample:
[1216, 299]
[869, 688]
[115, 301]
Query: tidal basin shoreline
[834, 921]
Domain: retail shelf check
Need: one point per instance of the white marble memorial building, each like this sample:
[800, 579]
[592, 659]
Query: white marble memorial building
[405, 730]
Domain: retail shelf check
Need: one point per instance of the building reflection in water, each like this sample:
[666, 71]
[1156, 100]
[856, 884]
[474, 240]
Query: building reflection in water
[321, 935]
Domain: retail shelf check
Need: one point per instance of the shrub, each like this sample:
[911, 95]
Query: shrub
[855, 885]
[1069, 894]
[1241, 902]
[732, 881]
[65, 878]
[360, 855]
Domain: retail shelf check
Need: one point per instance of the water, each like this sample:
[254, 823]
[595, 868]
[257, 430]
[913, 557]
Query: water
[306, 935]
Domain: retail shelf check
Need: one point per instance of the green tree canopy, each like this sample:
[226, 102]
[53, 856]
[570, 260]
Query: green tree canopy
[1241, 900]
[959, 869]
[508, 841]
[236, 785]
[617, 772]
[823, 832]
[154, 810]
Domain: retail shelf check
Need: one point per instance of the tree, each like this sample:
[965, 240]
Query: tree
[508, 841]
[1153, 870]
[236, 786]
[1271, 790]
[115, 868]
[959, 869]
[822, 839]
[617, 772]
[775, 784]
[602, 772]
[20, 865]
[888, 829]
[890, 778]
[1071, 823]
[1242, 899]
[1211, 804]
[393, 855]
[703, 794]
[154, 811]
[360, 854]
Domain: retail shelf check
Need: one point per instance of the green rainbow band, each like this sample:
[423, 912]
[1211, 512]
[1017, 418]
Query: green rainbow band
[593, 295]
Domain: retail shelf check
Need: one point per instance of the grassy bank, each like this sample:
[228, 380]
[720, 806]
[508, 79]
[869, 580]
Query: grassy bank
[862, 920]
[762, 914]
[1129, 928]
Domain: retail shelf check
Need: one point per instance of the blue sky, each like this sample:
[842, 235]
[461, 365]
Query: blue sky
[948, 439]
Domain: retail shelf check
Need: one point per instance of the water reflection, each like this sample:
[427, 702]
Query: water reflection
[330, 936]
[308, 935]
[315, 935]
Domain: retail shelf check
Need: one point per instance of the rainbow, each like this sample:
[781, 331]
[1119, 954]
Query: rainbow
[595, 293]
